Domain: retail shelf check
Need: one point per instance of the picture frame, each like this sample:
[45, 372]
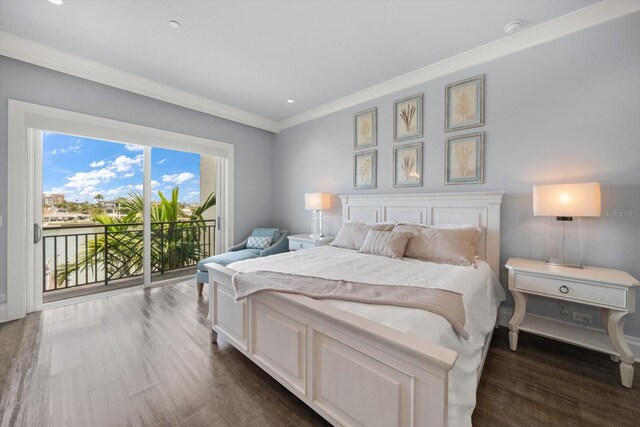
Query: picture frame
[407, 118]
[464, 104]
[365, 169]
[407, 165]
[365, 128]
[464, 159]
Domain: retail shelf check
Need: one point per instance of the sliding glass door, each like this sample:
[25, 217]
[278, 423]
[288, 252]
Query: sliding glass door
[183, 206]
[116, 215]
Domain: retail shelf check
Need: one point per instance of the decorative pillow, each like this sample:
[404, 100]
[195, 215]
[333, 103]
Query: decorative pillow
[258, 242]
[385, 243]
[266, 232]
[454, 246]
[352, 234]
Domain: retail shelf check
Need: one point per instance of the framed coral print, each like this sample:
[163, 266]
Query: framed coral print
[365, 169]
[407, 165]
[464, 104]
[407, 118]
[464, 159]
[365, 129]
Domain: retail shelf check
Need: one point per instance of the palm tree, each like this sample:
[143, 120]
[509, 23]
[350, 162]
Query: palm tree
[175, 243]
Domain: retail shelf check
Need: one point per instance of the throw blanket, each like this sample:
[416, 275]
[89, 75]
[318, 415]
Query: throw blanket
[445, 303]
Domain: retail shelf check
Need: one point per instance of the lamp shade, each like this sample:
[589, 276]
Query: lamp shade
[568, 200]
[317, 201]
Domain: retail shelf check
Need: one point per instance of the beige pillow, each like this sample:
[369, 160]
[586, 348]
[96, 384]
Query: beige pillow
[353, 234]
[385, 243]
[456, 246]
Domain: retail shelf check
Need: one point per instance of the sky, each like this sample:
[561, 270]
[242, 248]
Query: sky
[80, 168]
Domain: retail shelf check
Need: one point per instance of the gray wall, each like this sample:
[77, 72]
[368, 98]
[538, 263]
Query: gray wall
[564, 111]
[253, 147]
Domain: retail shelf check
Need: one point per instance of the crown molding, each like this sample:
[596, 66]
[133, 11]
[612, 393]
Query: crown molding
[578, 20]
[38, 54]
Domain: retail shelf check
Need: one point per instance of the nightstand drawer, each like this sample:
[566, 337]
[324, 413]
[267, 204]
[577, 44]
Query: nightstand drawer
[576, 291]
[296, 246]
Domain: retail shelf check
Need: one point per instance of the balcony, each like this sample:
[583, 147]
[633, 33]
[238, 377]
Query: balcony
[86, 259]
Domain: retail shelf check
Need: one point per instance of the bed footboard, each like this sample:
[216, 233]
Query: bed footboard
[350, 370]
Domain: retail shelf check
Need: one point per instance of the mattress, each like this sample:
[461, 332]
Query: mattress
[481, 295]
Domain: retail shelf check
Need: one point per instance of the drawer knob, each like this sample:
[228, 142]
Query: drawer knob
[564, 289]
[300, 245]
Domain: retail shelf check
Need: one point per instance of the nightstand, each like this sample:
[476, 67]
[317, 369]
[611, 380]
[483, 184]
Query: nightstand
[613, 291]
[304, 241]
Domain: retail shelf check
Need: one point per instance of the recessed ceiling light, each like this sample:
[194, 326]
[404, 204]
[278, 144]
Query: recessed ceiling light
[174, 24]
[290, 101]
[56, 2]
[513, 26]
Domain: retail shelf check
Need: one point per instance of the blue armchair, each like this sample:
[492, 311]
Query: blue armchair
[240, 252]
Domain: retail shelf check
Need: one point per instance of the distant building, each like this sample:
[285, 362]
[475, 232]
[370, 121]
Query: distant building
[112, 208]
[52, 199]
[64, 217]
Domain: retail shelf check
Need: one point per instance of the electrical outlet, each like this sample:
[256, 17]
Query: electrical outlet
[581, 317]
[564, 309]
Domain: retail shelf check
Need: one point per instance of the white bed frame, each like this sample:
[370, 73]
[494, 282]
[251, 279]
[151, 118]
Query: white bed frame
[351, 370]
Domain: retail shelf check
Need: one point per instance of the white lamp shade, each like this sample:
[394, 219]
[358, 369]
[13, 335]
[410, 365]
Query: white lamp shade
[317, 201]
[569, 200]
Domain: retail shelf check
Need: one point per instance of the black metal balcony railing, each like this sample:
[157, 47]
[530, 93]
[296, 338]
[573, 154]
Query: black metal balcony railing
[100, 253]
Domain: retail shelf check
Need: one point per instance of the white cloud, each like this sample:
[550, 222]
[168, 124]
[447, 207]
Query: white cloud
[70, 149]
[178, 178]
[97, 164]
[131, 147]
[124, 163]
[128, 175]
[140, 187]
[86, 179]
[161, 161]
[120, 191]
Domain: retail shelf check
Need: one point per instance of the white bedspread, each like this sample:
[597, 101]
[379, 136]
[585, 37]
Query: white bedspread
[481, 294]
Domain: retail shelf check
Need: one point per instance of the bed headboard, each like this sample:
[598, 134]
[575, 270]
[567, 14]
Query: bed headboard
[481, 209]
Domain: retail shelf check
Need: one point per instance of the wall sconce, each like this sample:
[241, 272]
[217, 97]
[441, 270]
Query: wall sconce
[317, 202]
[566, 201]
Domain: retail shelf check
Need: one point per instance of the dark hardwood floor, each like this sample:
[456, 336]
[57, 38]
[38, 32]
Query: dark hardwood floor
[145, 359]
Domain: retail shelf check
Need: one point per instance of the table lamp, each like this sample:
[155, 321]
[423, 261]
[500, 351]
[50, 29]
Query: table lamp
[317, 202]
[566, 201]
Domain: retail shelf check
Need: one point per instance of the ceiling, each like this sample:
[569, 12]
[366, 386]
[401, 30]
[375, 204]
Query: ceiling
[255, 55]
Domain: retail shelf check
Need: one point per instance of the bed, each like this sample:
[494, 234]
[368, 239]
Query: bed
[364, 364]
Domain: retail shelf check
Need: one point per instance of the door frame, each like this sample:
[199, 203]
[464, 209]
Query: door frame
[23, 121]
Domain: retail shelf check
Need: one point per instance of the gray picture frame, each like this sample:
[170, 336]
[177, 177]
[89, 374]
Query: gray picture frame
[397, 173]
[373, 169]
[462, 177]
[397, 117]
[479, 105]
[374, 128]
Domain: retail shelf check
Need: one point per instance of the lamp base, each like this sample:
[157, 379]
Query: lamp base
[561, 264]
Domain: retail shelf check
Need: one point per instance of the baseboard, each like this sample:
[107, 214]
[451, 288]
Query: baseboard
[504, 314]
[3, 312]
